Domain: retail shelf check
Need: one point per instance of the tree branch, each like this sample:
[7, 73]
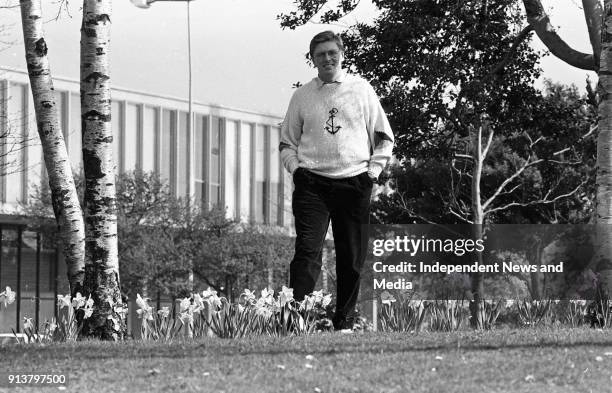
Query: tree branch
[509, 180]
[538, 202]
[537, 17]
[517, 41]
[489, 140]
[593, 14]
[454, 213]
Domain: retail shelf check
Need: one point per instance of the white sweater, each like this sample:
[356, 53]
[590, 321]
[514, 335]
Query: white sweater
[336, 129]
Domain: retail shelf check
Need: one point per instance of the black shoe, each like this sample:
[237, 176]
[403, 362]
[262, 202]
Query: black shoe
[343, 323]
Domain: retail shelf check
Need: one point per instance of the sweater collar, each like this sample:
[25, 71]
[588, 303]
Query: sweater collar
[341, 77]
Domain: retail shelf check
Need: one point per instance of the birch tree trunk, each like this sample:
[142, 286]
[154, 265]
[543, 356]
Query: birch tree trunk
[602, 261]
[101, 250]
[477, 306]
[66, 207]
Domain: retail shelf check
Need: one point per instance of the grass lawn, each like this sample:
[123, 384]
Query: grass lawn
[545, 360]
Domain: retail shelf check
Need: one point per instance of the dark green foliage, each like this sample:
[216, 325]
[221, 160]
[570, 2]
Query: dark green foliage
[560, 118]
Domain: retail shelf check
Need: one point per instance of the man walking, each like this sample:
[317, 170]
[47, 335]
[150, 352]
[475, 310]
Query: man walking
[335, 141]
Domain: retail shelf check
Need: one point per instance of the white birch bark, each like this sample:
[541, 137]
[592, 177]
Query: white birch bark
[476, 307]
[66, 207]
[101, 250]
[602, 261]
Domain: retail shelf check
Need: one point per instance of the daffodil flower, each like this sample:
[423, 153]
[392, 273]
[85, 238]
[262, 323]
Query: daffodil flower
[88, 312]
[267, 293]
[386, 298]
[140, 302]
[285, 296]
[63, 301]
[89, 303]
[78, 301]
[213, 300]
[326, 300]
[317, 296]
[27, 323]
[208, 293]
[7, 297]
[185, 303]
[249, 296]
[164, 312]
[198, 301]
[186, 317]
[308, 303]
[145, 310]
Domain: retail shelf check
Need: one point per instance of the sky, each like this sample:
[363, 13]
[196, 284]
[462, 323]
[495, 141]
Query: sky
[241, 58]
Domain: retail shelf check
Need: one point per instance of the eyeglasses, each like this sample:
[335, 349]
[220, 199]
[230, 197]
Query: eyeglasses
[333, 53]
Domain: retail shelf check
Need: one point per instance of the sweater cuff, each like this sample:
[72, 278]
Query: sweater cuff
[292, 166]
[374, 171]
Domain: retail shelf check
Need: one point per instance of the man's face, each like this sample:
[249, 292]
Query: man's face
[327, 57]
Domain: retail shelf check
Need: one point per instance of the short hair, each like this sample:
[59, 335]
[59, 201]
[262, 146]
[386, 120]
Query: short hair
[325, 36]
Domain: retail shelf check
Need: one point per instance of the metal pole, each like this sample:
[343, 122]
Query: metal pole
[189, 62]
[189, 134]
[18, 300]
[37, 301]
[55, 280]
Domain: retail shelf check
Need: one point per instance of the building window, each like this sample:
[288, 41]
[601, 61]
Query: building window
[28, 265]
[13, 144]
[168, 149]
[215, 162]
[245, 164]
[116, 126]
[260, 178]
[10, 269]
[130, 137]
[35, 162]
[276, 206]
[230, 169]
[149, 137]
[74, 134]
[199, 134]
[183, 154]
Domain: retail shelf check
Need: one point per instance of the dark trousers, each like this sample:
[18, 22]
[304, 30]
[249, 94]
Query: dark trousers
[317, 200]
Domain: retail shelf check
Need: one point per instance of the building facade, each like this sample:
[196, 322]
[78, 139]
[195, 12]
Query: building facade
[228, 158]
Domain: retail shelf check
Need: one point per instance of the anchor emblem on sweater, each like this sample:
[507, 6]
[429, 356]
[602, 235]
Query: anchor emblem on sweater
[330, 122]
